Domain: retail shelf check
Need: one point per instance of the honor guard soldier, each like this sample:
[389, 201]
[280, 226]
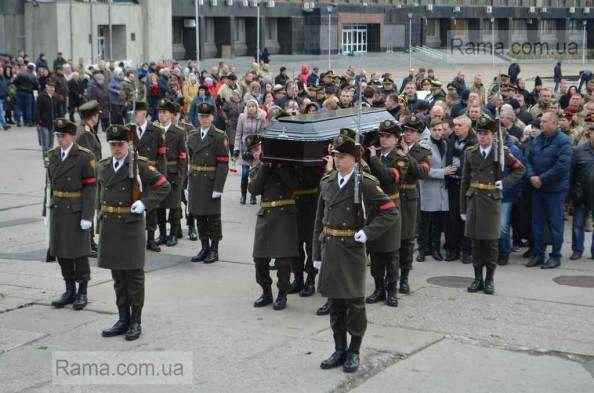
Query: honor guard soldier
[276, 234]
[151, 146]
[127, 188]
[409, 196]
[209, 165]
[176, 225]
[177, 167]
[352, 209]
[71, 173]
[390, 166]
[87, 137]
[480, 200]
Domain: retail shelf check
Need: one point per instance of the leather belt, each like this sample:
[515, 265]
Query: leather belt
[150, 162]
[408, 186]
[199, 168]
[338, 232]
[171, 162]
[394, 196]
[483, 186]
[279, 203]
[67, 194]
[311, 191]
[115, 209]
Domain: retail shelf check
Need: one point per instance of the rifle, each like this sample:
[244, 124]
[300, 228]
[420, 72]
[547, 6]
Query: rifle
[358, 179]
[46, 189]
[500, 153]
[136, 189]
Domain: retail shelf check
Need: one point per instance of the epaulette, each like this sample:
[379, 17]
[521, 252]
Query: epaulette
[424, 149]
[328, 175]
[54, 150]
[85, 149]
[142, 158]
[370, 177]
[158, 125]
[193, 132]
[105, 161]
[472, 148]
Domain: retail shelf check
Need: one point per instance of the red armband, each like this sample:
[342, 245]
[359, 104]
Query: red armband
[222, 158]
[89, 181]
[183, 155]
[387, 206]
[160, 181]
[395, 174]
[162, 151]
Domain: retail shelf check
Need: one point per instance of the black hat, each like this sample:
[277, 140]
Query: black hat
[485, 124]
[415, 124]
[390, 127]
[205, 109]
[117, 133]
[166, 105]
[89, 109]
[140, 106]
[422, 105]
[64, 126]
[231, 77]
[345, 142]
[252, 141]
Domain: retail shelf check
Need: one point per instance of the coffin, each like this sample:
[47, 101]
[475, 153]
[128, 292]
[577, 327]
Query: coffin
[304, 139]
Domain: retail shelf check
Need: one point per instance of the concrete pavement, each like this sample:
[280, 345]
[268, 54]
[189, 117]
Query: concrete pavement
[534, 335]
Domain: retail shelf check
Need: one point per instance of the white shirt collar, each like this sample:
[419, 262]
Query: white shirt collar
[345, 177]
[166, 127]
[203, 131]
[66, 152]
[141, 129]
[486, 150]
[121, 161]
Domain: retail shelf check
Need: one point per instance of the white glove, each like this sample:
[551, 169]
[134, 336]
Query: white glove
[85, 224]
[137, 207]
[463, 217]
[317, 264]
[187, 194]
[499, 184]
[360, 237]
[216, 194]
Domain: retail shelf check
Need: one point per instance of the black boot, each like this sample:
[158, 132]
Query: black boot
[162, 228]
[477, 284]
[265, 298]
[135, 327]
[81, 297]
[310, 285]
[297, 285]
[203, 252]
[213, 252]
[351, 363]
[93, 253]
[281, 301]
[391, 295]
[466, 258]
[339, 355]
[243, 198]
[324, 309]
[192, 234]
[151, 244]
[172, 238]
[67, 297]
[378, 294]
[503, 259]
[404, 282]
[121, 326]
[489, 284]
[253, 199]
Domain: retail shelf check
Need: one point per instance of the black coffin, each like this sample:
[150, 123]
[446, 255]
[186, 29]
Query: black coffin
[304, 138]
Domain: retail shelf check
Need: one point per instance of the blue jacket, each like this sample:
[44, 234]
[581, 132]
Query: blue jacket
[549, 157]
[193, 113]
[511, 194]
[3, 87]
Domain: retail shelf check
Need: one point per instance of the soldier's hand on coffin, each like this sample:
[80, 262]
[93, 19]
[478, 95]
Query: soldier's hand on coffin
[216, 194]
[85, 224]
[463, 217]
[499, 184]
[360, 236]
[372, 151]
[317, 264]
[137, 207]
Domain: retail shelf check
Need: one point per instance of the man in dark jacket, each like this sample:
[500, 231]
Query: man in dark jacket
[25, 83]
[548, 164]
[61, 91]
[3, 95]
[46, 113]
[557, 76]
[281, 78]
[582, 165]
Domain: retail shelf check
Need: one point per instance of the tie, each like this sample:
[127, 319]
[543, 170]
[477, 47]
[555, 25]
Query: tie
[341, 182]
[203, 134]
[484, 154]
[116, 165]
[63, 155]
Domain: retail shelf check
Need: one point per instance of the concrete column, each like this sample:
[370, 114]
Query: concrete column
[158, 30]
[232, 32]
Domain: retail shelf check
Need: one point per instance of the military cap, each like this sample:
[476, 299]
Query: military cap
[166, 105]
[436, 122]
[89, 108]
[485, 124]
[205, 109]
[252, 141]
[425, 81]
[50, 82]
[435, 82]
[278, 87]
[504, 78]
[390, 127]
[415, 124]
[64, 126]
[117, 133]
[346, 143]
[231, 77]
[140, 106]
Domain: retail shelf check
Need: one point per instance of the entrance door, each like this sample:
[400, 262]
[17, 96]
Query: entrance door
[354, 39]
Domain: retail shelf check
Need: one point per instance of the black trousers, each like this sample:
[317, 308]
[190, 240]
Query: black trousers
[151, 220]
[485, 253]
[384, 268]
[129, 287]
[304, 263]
[431, 226]
[348, 315]
[407, 249]
[75, 269]
[456, 242]
[210, 227]
[282, 274]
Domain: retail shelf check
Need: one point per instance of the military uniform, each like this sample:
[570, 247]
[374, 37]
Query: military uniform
[72, 180]
[389, 169]
[123, 236]
[409, 203]
[209, 165]
[340, 218]
[177, 167]
[276, 233]
[480, 202]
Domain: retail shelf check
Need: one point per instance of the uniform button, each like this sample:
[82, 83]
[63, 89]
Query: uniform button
[348, 208]
[344, 224]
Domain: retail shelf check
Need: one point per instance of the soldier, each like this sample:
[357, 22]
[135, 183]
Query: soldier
[409, 196]
[122, 226]
[480, 200]
[177, 167]
[276, 234]
[352, 209]
[187, 128]
[209, 165]
[71, 172]
[87, 137]
[150, 146]
[389, 167]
